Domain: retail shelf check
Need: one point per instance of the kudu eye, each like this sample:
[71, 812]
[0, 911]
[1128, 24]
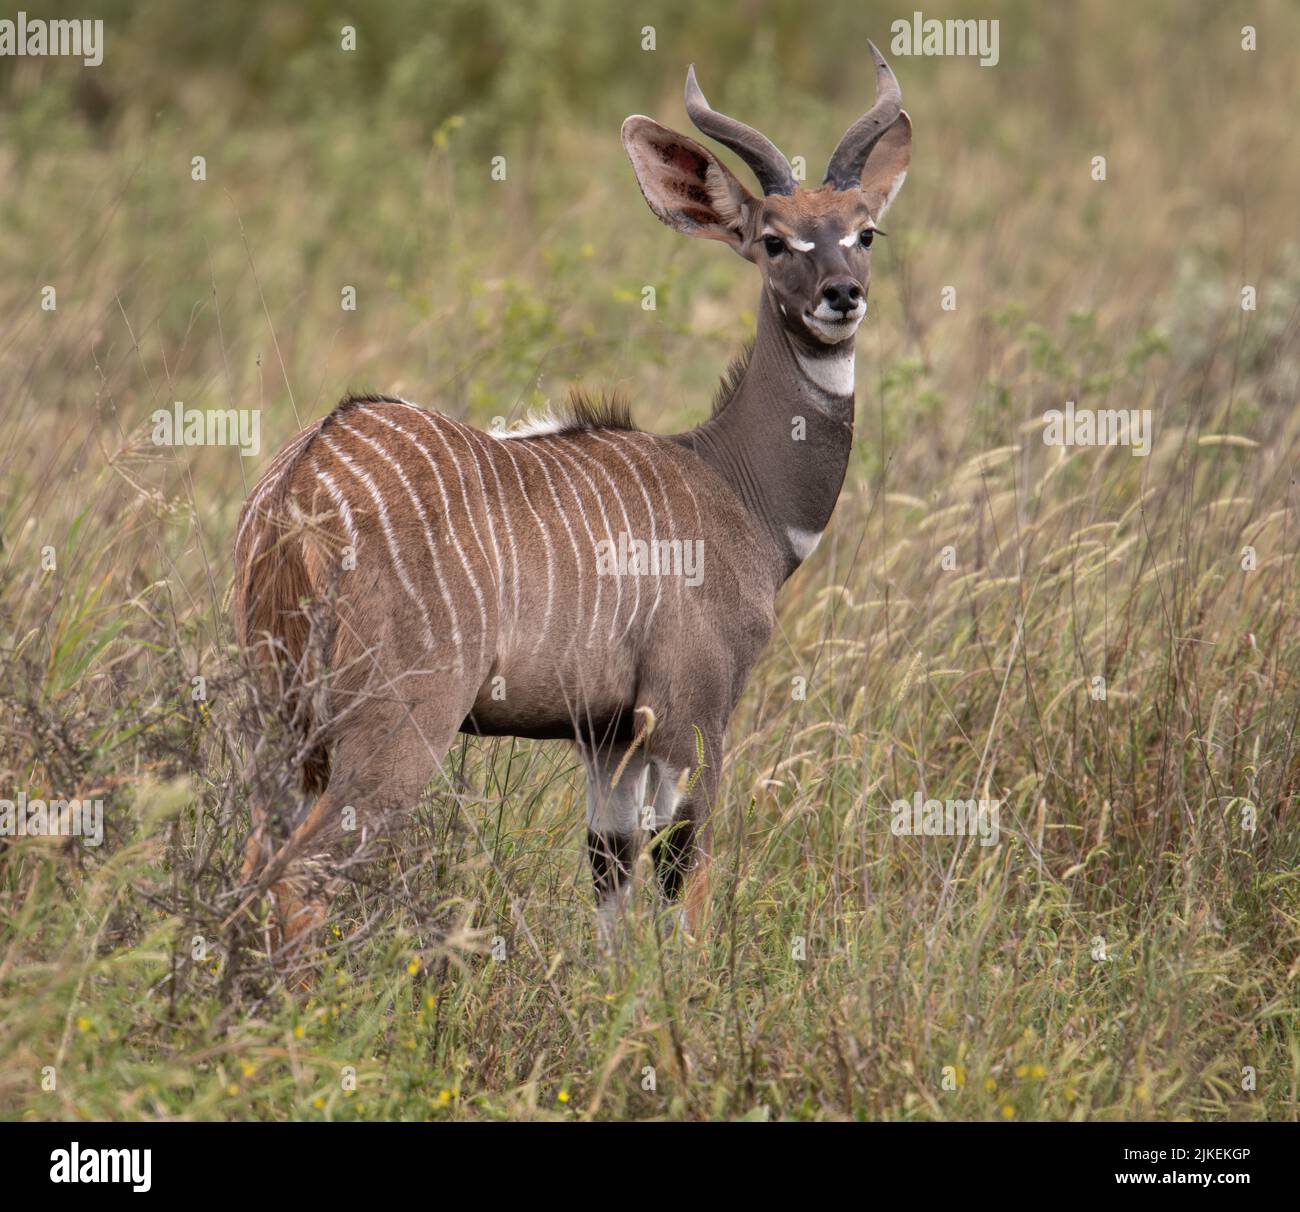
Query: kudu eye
[866, 237]
[774, 244]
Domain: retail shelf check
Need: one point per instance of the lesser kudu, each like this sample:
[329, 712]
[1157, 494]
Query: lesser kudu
[403, 576]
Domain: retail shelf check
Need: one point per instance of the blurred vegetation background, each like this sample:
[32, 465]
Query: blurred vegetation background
[371, 168]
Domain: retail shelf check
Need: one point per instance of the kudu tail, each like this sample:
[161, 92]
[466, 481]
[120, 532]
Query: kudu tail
[275, 629]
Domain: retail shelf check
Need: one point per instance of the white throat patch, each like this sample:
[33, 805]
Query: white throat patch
[803, 542]
[833, 375]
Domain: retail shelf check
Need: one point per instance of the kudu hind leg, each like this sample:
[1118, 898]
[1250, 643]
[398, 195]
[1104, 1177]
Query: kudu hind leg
[378, 776]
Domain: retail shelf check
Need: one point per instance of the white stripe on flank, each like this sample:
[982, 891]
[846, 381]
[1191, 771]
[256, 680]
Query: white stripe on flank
[462, 432]
[450, 531]
[627, 526]
[491, 568]
[650, 518]
[650, 454]
[530, 448]
[457, 636]
[477, 440]
[271, 477]
[572, 457]
[685, 482]
[546, 547]
[562, 461]
[361, 474]
[833, 375]
[278, 464]
[340, 504]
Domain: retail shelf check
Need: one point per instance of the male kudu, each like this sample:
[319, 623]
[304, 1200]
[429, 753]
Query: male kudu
[402, 576]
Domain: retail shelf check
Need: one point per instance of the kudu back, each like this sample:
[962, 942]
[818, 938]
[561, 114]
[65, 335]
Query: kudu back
[402, 576]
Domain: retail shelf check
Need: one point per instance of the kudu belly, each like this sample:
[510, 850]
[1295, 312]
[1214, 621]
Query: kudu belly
[571, 681]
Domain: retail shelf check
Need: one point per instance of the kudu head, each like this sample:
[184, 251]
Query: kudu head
[812, 246]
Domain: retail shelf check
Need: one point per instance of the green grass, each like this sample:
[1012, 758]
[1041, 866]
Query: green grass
[1128, 949]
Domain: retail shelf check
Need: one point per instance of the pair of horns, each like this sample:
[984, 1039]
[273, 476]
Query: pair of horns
[770, 167]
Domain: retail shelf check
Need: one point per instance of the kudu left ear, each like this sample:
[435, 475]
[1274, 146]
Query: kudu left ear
[685, 185]
[886, 166]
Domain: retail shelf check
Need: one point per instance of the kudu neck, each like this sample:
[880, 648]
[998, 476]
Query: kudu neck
[782, 441]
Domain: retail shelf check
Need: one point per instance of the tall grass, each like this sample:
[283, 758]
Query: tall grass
[1128, 949]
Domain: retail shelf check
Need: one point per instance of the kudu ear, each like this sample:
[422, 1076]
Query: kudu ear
[685, 185]
[886, 166]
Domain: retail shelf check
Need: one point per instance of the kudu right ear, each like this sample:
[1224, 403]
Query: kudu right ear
[685, 185]
[886, 166]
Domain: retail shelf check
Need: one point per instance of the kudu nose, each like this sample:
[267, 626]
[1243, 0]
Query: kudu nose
[842, 296]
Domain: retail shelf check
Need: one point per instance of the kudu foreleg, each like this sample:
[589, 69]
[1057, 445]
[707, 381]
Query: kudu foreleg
[658, 795]
[684, 803]
[616, 788]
